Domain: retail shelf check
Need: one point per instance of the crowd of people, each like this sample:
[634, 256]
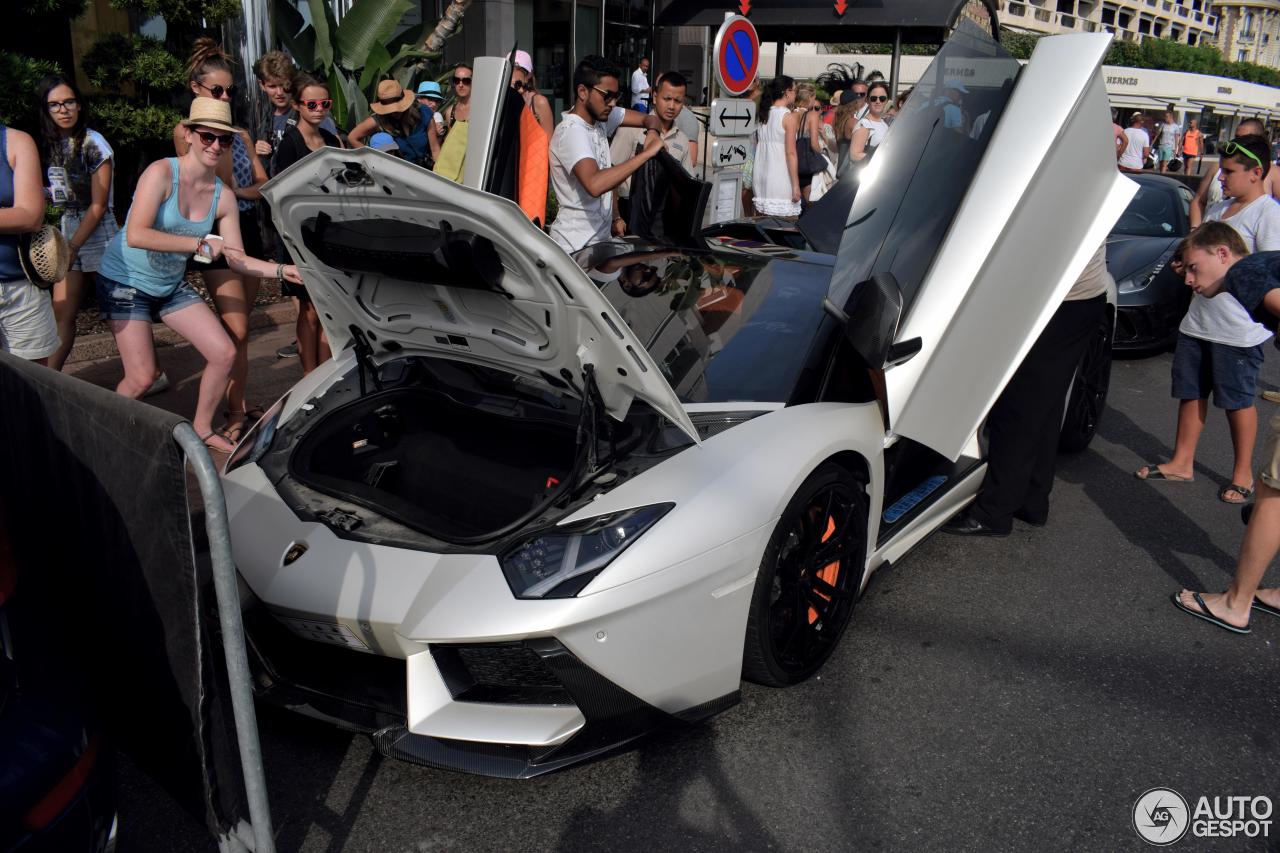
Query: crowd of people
[201, 210]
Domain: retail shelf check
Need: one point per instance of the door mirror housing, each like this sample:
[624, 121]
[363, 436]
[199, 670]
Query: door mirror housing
[871, 318]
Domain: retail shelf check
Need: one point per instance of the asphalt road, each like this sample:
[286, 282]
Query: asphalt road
[1006, 694]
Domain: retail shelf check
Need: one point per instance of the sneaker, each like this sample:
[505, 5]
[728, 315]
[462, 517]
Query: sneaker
[288, 351]
[161, 384]
[1271, 396]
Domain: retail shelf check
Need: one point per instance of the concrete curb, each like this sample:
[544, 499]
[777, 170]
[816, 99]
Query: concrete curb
[103, 345]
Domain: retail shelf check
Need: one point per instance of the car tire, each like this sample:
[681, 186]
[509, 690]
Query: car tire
[1087, 399]
[808, 580]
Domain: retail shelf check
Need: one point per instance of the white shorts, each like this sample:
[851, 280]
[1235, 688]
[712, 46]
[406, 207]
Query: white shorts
[27, 327]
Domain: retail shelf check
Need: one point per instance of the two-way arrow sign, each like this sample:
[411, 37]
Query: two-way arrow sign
[731, 117]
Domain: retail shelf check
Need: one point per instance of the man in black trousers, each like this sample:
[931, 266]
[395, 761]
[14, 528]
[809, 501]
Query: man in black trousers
[1024, 424]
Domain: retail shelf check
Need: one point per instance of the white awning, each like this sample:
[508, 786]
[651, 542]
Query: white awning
[1137, 102]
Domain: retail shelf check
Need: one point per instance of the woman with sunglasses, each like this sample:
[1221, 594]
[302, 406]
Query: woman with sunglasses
[177, 206]
[869, 130]
[209, 76]
[312, 99]
[78, 169]
[397, 111]
[453, 153]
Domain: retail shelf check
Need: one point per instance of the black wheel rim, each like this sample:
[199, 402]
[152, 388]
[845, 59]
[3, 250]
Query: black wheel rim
[814, 579]
[1093, 380]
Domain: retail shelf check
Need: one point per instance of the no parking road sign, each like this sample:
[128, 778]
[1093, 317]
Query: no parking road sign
[737, 54]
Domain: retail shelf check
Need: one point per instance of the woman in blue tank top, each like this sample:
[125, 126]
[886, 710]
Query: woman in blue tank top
[177, 205]
[209, 75]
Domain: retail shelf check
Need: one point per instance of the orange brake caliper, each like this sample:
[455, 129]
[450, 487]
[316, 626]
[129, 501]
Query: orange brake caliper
[828, 572]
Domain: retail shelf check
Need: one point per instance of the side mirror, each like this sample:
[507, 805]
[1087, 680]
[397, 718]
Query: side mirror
[871, 318]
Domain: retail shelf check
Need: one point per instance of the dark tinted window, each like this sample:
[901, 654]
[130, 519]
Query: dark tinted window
[910, 191]
[723, 327]
[1154, 212]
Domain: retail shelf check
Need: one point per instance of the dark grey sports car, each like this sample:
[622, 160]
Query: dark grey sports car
[1152, 300]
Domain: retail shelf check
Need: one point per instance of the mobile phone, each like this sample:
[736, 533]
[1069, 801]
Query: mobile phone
[204, 256]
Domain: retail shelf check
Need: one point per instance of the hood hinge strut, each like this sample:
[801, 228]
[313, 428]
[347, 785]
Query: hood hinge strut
[364, 357]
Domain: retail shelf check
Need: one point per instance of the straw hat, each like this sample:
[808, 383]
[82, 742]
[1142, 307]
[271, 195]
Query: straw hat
[211, 113]
[392, 98]
[45, 256]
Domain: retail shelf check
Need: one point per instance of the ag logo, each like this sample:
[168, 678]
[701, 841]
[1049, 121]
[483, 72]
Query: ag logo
[1160, 816]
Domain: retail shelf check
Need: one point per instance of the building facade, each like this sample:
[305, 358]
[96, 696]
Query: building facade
[1191, 22]
[1249, 31]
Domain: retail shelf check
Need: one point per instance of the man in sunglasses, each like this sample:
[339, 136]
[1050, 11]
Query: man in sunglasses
[1210, 190]
[1219, 347]
[582, 171]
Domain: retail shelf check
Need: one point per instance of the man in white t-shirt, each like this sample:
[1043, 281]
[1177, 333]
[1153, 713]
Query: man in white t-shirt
[1219, 345]
[1170, 137]
[1138, 146]
[640, 86]
[582, 172]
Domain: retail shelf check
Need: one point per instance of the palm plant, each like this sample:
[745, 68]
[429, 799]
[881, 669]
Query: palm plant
[357, 53]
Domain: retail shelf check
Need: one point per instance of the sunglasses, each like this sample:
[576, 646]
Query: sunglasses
[219, 91]
[322, 104]
[857, 96]
[878, 98]
[609, 97]
[1232, 148]
[521, 86]
[223, 139]
[460, 81]
[58, 106]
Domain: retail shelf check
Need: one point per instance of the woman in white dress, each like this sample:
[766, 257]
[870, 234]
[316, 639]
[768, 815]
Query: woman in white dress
[775, 182]
[869, 132]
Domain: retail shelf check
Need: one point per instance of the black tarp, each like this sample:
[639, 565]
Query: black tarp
[95, 493]
[920, 21]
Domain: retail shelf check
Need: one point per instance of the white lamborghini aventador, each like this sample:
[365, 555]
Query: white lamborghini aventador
[538, 505]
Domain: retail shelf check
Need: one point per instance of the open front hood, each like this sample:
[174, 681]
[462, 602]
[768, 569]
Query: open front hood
[419, 264]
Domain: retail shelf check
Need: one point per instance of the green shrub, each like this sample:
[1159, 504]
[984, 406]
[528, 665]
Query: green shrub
[17, 96]
[117, 59]
[184, 13]
[129, 124]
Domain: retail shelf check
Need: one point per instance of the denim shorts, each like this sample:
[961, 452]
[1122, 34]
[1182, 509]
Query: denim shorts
[90, 255]
[1231, 373]
[118, 301]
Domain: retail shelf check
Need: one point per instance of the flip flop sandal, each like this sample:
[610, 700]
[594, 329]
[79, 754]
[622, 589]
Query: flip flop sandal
[1153, 472]
[1235, 487]
[1263, 607]
[210, 438]
[1203, 613]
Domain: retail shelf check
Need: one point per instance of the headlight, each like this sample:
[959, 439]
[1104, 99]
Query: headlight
[1141, 279]
[256, 443]
[559, 561]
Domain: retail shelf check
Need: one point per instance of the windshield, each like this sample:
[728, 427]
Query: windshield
[1156, 211]
[723, 327]
[913, 185]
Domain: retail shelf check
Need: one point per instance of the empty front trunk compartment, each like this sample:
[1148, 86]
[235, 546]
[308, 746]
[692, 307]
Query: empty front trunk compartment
[453, 470]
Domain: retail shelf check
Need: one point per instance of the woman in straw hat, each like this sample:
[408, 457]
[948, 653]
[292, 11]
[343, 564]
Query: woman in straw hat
[177, 206]
[27, 328]
[397, 111]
